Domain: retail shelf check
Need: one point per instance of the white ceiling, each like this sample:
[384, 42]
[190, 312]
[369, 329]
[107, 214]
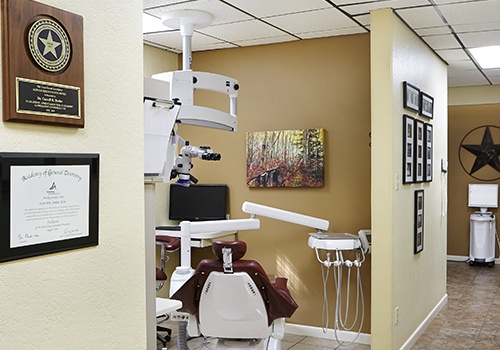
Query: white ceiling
[450, 27]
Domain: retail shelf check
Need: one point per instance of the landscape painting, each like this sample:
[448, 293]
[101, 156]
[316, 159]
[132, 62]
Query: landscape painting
[287, 158]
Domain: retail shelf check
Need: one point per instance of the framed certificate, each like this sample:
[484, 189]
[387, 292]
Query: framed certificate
[49, 203]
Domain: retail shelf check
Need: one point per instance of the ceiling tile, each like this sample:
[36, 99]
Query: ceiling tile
[267, 8]
[440, 2]
[433, 31]
[471, 12]
[479, 39]
[476, 27]
[438, 42]
[174, 40]
[363, 19]
[455, 66]
[312, 21]
[246, 30]
[357, 7]
[495, 80]
[147, 4]
[492, 73]
[264, 41]
[422, 17]
[332, 32]
[452, 54]
[476, 81]
[220, 12]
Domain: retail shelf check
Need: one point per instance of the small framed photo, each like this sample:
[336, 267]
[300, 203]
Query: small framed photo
[426, 105]
[419, 222]
[408, 149]
[411, 97]
[419, 151]
[428, 152]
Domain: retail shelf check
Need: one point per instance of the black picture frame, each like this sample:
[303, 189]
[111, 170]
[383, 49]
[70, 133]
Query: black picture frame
[428, 149]
[426, 105]
[411, 97]
[49, 202]
[419, 151]
[408, 149]
[419, 222]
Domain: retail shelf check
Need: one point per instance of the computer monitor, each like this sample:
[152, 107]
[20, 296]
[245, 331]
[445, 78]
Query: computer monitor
[198, 202]
[483, 196]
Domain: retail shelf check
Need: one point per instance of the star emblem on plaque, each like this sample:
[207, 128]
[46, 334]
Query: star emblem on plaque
[43, 78]
[49, 45]
[479, 154]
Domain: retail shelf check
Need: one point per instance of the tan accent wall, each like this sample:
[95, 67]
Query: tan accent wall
[463, 119]
[322, 83]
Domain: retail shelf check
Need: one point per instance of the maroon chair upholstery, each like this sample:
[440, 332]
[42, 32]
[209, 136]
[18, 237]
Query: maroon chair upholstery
[277, 298]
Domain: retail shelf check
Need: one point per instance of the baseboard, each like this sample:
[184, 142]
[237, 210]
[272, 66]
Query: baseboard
[317, 332]
[462, 258]
[423, 326]
[457, 258]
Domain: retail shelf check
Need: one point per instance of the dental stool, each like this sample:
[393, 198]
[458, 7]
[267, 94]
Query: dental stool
[167, 244]
[234, 300]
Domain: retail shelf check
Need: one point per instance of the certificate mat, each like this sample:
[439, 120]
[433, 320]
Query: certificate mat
[48, 203]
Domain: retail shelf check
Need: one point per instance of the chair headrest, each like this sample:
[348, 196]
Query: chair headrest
[239, 249]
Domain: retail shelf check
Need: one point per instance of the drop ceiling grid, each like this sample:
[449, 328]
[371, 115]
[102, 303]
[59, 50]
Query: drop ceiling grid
[474, 22]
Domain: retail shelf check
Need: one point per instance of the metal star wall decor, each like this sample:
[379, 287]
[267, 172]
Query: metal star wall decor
[486, 153]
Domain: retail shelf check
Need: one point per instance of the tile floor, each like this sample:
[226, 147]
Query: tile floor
[470, 320]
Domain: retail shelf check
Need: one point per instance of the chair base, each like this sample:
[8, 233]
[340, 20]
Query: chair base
[165, 338]
[249, 344]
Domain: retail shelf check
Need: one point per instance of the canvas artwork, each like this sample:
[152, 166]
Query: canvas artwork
[287, 158]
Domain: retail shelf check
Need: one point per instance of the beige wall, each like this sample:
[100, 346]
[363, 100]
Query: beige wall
[321, 83]
[86, 298]
[406, 286]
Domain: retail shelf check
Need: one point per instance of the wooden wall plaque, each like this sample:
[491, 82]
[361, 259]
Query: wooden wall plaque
[42, 64]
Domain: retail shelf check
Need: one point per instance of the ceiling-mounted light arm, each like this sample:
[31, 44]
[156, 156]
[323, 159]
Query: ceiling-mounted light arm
[187, 21]
[284, 215]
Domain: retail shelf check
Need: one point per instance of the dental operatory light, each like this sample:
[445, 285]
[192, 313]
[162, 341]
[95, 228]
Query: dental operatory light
[488, 57]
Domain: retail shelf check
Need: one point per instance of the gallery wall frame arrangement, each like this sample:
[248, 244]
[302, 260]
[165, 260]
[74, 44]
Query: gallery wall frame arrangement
[49, 202]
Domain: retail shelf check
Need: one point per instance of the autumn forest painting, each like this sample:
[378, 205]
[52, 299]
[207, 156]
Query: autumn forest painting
[287, 158]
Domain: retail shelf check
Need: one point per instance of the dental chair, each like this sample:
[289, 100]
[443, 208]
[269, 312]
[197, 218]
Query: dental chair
[167, 244]
[234, 301]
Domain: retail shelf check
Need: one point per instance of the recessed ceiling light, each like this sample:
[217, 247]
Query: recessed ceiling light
[487, 57]
[151, 24]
